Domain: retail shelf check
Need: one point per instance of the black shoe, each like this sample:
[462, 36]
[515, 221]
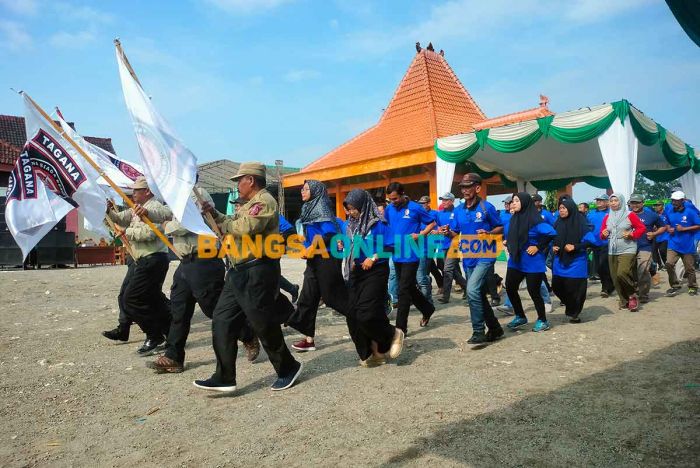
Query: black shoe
[121, 333]
[494, 334]
[478, 338]
[495, 302]
[672, 292]
[283, 383]
[213, 385]
[150, 346]
[574, 320]
[442, 300]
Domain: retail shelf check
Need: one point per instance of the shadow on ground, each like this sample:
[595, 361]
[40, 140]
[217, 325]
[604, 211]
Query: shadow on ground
[640, 413]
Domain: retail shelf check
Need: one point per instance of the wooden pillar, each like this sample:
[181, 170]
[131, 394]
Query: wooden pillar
[484, 190]
[339, 211]
[431, 172]
[568, 191]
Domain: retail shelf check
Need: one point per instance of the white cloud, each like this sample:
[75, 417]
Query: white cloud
[13, 36]
[295, 76]
[21, 7]
[71, 40]
[246, 6]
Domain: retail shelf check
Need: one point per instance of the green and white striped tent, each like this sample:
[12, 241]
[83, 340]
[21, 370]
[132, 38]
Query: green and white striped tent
[603, 146]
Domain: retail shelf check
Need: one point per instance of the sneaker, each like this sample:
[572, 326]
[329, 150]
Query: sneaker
[494, 334]
[214, 386]
[517, 322]
[574, 320]
[547, 307]
[442, 300]
[121, 333]
[165, 365]
[373, 361]
[283, 383]
[396, 344]
[505, 309]
[303, 346]
[541, 326]
[633, 304]
[478, 338]
[150, 346]
[672, 291]
[692, 291]
[252, 349]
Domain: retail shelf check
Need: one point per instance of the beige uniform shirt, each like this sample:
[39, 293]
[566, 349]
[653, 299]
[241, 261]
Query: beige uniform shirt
[185, 242]
[143, 240]
[257, 217]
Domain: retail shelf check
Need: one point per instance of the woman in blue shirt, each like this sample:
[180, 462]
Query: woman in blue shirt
[570, 266]
[527, 237]
[323, 278]
[366, 269]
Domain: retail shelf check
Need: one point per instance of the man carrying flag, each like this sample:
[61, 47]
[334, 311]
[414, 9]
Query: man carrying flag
[141, 297]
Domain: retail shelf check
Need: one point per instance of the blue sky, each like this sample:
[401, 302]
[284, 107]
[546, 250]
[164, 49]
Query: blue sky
[292, 79]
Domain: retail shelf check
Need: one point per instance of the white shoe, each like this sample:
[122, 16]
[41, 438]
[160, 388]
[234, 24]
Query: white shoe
[548, 307]
[396, 344]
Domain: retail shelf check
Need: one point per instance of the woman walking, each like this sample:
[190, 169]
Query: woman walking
[527, 237]
[367, 272]
[570, 266]
[621, 228]
[323, 279]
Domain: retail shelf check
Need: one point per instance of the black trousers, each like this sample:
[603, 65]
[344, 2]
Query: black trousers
[533, 281]
[409, 293]
[659, 251]
[492, 280]
[251, 292]
[286, 285]
[436, 271]
[572, 292]
[323, 279]
[142, 298]
[367, 291]
[124, 321]
[196, 281]
[600, 256]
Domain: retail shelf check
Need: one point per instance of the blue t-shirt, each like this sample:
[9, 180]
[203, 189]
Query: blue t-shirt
[379, 241]
[665, 236]
[683, 242]
[505, 216]
[595, 218]
[284, 224]
[547, 217]
[483, 215]
[404, 221]
[532, 263]
[446, 218]
[325, 229]
[578, 268]
[652, 222]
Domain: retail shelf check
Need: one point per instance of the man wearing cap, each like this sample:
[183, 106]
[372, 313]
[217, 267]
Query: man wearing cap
[683, 223]
[427, 265]
[546, 215]
[251, 289]
[477, 216]
[447, 221]
[654, 227]
[660, 244]
[600, 248]
[141, 297]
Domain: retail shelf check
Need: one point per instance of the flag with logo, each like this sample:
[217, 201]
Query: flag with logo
[169, 166]
[50, 178]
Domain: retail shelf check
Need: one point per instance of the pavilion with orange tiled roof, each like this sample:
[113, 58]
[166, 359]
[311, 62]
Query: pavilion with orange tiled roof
[429, 103]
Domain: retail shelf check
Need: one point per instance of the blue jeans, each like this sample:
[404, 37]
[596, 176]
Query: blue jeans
[393, 282]
[425, 284]
[482, 315]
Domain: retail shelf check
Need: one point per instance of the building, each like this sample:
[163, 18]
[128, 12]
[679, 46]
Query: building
[430, 102]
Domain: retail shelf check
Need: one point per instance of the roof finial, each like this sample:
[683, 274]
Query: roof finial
[418, 48]
[442, 53]
[430, 47]
[544, 100]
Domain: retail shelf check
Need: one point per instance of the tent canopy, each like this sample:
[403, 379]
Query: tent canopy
[603, 146]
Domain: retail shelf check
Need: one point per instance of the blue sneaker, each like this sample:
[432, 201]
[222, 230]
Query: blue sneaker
[517, 322]
[283, 383]
[541, 326]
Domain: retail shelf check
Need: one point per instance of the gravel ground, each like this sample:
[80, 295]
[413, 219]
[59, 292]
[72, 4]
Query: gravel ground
[620, 389]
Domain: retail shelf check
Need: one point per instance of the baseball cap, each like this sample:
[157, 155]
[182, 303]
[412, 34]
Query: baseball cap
[447, 196]
[470, 179]
[637, 198]
[508, 199]
[424, 199]
[678, 195]
[603, 197]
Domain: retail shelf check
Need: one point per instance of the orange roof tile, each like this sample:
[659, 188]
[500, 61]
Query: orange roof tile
[515, 117]
[430, 102]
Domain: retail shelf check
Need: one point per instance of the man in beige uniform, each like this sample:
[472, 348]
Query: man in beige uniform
[252, 289]
[196, 281]
[141, 297]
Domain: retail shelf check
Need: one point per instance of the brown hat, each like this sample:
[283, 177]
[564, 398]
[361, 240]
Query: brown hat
[250, 168]
[140, 183]
[470, 179]
[424, 199]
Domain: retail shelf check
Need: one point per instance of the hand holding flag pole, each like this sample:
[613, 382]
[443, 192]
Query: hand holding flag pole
[88, 158]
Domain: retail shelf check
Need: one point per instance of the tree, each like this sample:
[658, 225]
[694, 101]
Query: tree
[653, 190]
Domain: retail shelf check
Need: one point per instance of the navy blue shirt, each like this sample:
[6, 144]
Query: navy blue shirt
[483, 215]
[532, 263]
[652, 222]
[595, 218]
[578, 268]
[403, 222]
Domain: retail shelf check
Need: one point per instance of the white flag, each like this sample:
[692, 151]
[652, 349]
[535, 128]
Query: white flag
[49, 179]
[169, 166]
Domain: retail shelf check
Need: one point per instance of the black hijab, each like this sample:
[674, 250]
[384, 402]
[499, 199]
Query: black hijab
[369, 216]
[570, 230]
[520, 224]
[318, 208]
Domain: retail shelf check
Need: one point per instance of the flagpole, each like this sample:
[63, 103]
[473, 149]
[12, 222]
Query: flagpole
[116, 188]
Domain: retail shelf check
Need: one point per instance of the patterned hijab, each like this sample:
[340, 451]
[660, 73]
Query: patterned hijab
[318, 208]
[361, 226]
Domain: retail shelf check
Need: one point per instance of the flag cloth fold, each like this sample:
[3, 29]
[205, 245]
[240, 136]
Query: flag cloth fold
[50, 178]
[169, 166]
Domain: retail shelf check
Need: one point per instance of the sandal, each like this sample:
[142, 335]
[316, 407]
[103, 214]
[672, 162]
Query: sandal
[426, 320]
